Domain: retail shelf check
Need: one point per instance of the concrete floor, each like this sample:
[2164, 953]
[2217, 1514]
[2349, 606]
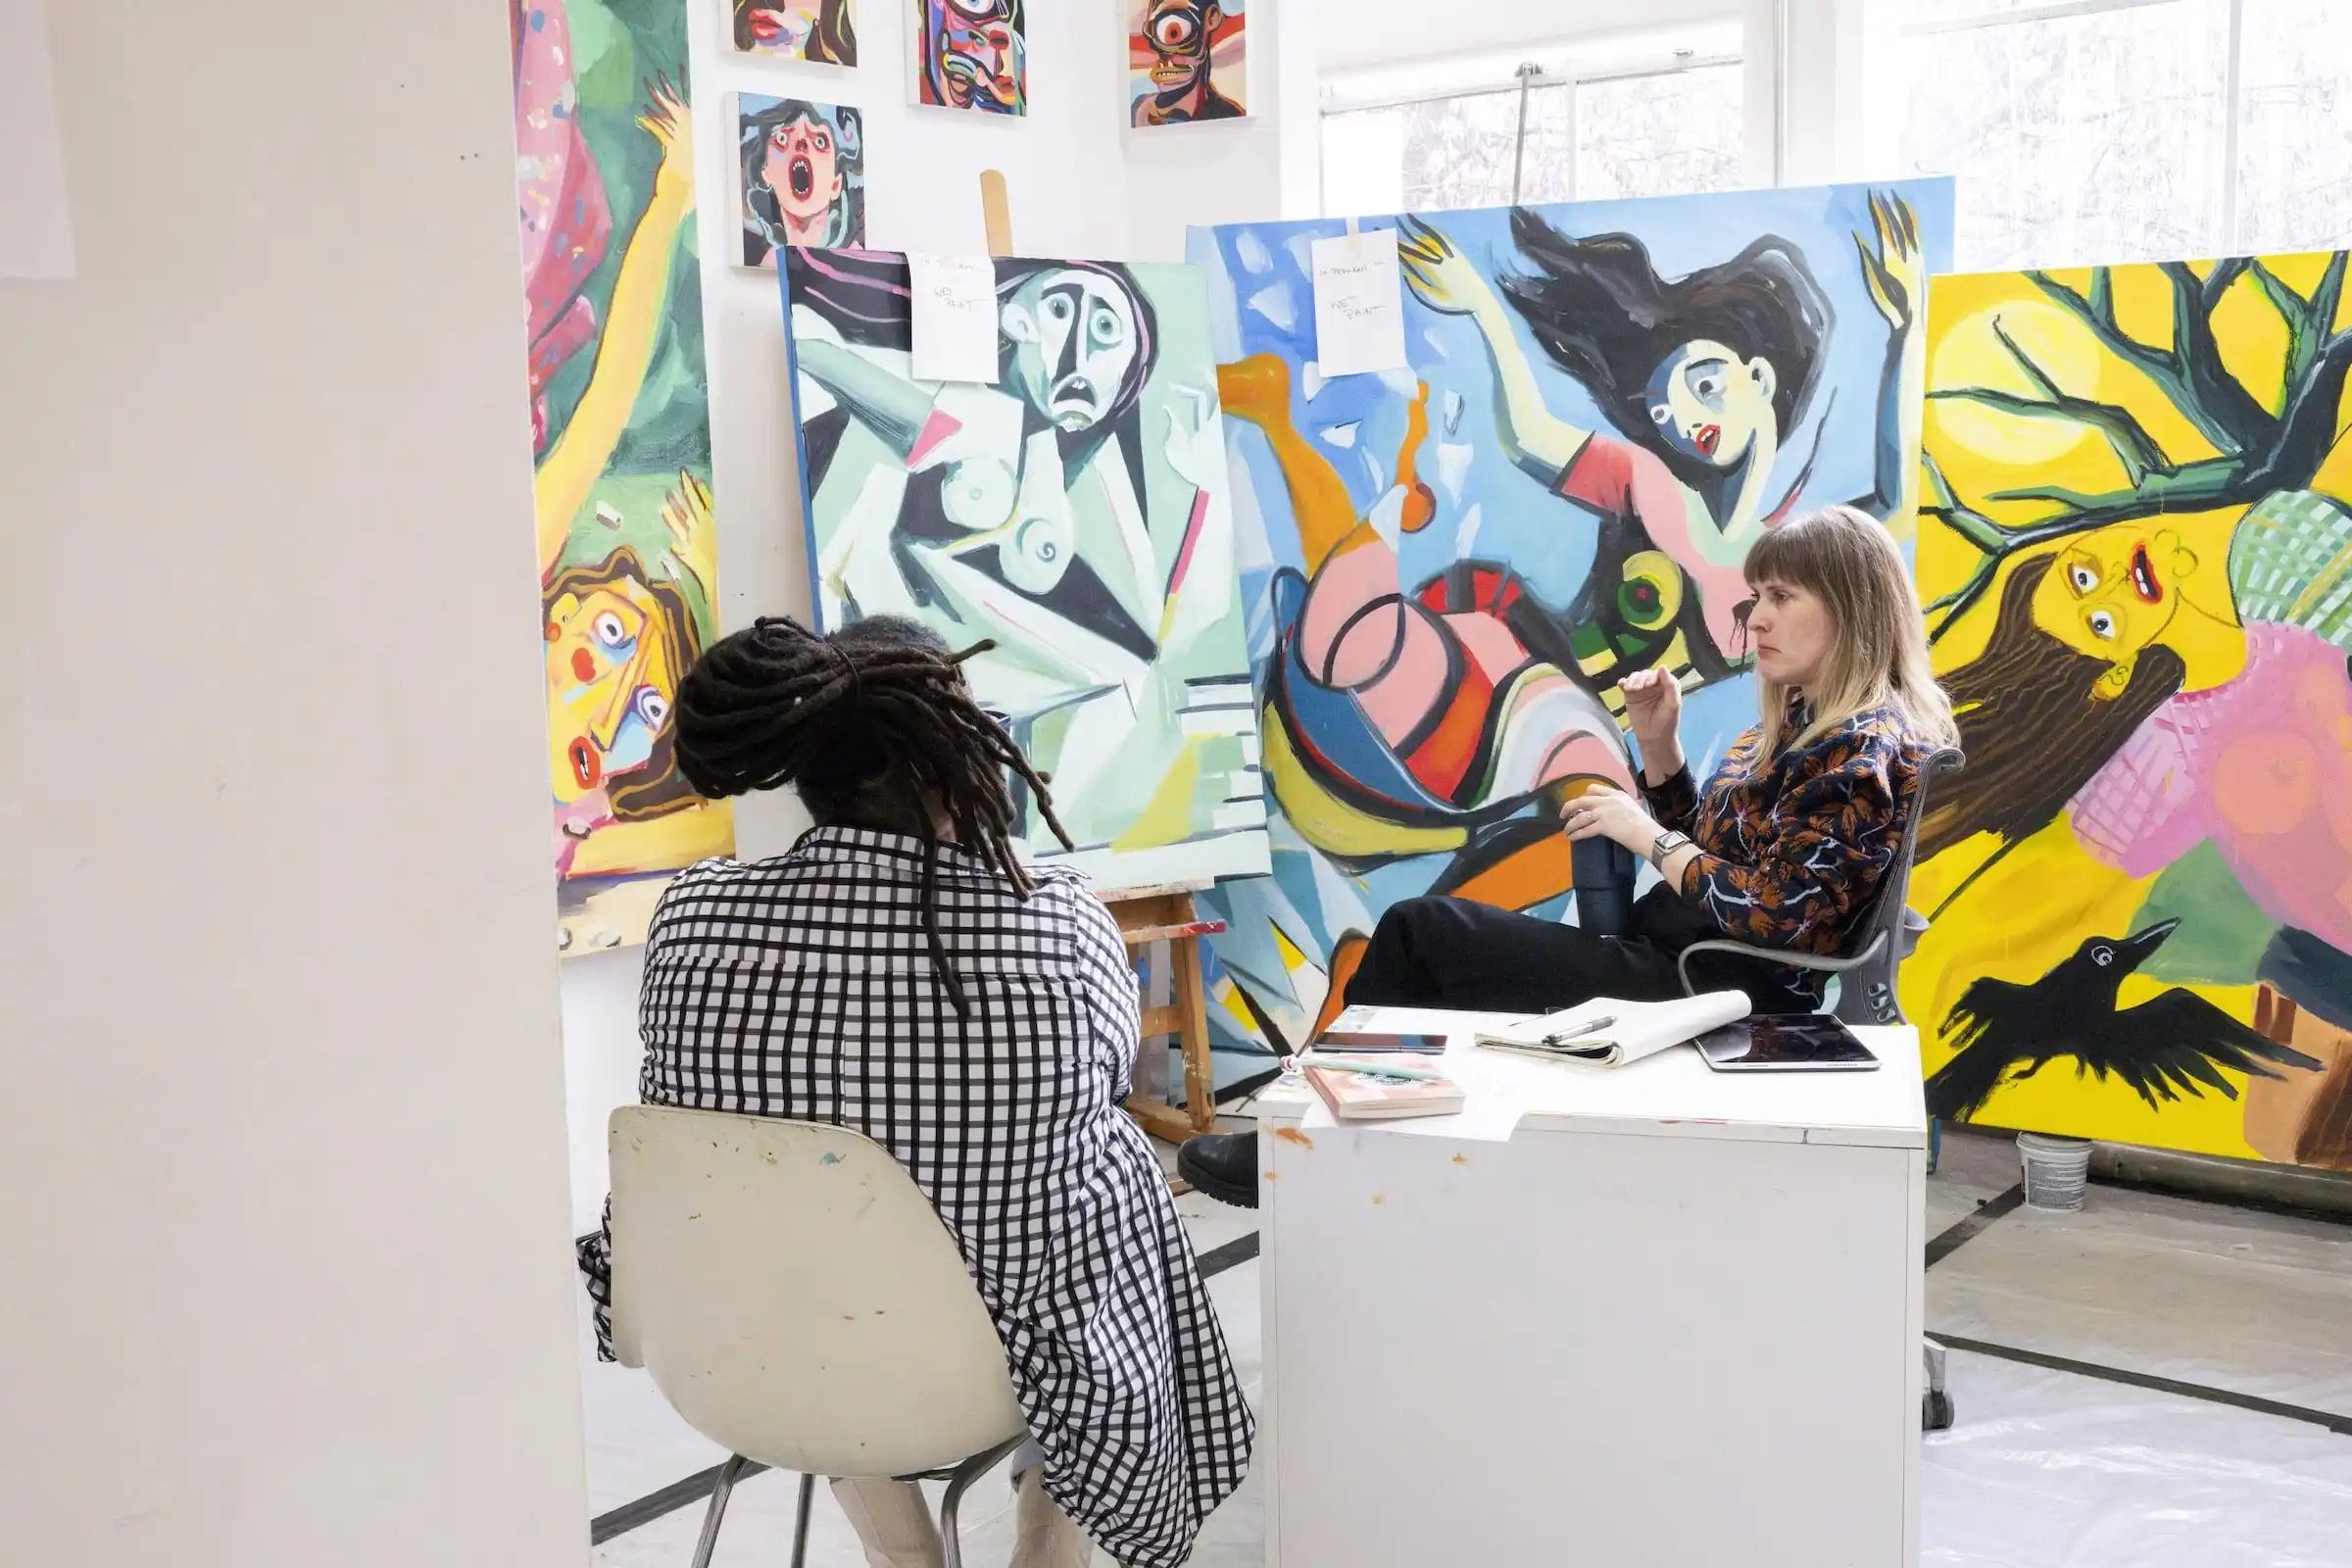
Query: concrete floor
[2046, 1469]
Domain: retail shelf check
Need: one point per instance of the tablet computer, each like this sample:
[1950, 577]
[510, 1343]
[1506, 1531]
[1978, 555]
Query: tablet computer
[1807, 1042]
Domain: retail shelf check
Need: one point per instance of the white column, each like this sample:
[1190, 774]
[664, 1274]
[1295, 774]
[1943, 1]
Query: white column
[287, 1277]
[1810, 57]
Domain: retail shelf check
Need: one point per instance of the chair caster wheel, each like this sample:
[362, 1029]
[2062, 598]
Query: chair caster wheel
[1935, 1412]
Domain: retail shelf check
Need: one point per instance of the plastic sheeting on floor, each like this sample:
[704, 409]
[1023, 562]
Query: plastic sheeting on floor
[2255, 1303]
[2051, 1470]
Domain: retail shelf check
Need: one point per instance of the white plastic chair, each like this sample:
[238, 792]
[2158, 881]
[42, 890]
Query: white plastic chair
[797, 1300]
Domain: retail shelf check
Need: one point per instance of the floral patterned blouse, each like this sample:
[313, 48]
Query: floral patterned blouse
[1792, 850]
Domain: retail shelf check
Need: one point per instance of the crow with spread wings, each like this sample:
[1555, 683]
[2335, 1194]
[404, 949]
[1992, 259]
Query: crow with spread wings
[2175, 1043]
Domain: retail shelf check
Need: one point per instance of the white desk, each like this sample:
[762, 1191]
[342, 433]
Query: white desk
[1674, 1320]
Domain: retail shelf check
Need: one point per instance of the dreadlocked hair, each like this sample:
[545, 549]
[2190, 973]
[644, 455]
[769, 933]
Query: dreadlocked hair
[873, 726]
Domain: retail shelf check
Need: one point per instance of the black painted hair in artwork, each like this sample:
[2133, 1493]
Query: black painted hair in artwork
[1601, 311]
[871, 725]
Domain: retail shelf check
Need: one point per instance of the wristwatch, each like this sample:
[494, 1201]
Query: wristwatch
[1668, 841]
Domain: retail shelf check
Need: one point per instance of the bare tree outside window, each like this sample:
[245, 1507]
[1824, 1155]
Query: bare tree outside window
[1647, 135]
[1660, 136]
[2076, 138]
[2294, 138]
[2102, 132]
[1458, 151]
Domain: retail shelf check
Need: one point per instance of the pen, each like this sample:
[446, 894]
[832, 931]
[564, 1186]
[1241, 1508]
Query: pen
[1373, 1069]
[1581, 1032]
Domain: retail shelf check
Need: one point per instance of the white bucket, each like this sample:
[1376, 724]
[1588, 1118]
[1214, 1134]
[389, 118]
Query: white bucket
[2055, 1170]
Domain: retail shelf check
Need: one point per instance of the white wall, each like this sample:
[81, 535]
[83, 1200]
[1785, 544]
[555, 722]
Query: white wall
[1079, 183]
[285, 1279]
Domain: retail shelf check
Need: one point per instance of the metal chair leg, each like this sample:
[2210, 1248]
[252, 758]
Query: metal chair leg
[971, 1470]
[800, 1525]
[718, 1508]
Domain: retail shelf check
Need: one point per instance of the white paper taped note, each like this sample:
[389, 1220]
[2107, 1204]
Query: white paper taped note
[36, 229]
[1360, 303]
[954, 325]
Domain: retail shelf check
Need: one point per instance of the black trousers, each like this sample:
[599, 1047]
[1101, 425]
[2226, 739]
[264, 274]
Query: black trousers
[1452, 953]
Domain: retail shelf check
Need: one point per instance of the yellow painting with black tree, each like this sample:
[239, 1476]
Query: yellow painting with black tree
[2135, 558]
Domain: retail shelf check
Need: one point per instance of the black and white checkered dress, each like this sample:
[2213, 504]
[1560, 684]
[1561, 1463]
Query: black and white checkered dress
[803, 987]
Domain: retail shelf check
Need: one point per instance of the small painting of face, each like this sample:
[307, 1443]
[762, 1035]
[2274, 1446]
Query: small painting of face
[1709, 403]
[1186, 61]
[1074, 342]
[804, 170]
[1178, 32]
[781, 26]
[1791, 632]
[974, 55]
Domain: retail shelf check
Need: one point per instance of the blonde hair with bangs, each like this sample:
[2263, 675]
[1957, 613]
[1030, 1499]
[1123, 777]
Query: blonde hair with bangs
[1879, 655]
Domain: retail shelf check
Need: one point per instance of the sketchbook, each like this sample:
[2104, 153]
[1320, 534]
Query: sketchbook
[1377, 1096]
[1606, 1032]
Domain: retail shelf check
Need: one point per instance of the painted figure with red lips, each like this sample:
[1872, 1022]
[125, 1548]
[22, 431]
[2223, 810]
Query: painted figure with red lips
[823, 30]
[1182, 34]
[974, 55]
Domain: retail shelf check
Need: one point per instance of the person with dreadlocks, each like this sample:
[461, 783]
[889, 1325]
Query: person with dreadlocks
[901, 973]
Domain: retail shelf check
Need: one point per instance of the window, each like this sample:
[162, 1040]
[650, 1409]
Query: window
[2119, 130]
[1648, 134]
[2295, 126]
[1660, 136]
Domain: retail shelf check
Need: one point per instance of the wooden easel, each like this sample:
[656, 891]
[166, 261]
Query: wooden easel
[1152, 914]
[1166, 914]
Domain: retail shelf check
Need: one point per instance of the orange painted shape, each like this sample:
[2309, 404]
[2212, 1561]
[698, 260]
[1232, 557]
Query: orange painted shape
[1440, 762]
[1345, 961]
[1420, 501]
[1258, 389]
[1525, 878]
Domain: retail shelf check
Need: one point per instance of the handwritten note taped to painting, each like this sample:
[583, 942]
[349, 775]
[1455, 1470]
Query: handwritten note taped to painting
[955, 318]
[1360, 303]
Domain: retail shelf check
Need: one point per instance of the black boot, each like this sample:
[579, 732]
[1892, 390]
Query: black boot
[1224, 1165]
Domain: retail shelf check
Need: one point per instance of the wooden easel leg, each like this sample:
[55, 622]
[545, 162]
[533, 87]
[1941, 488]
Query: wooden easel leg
[1192, 1007]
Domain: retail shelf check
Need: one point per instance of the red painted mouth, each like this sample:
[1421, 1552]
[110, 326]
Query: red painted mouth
[583, 665]
[766, 28]
[2143, 577]
[1710, 437]
[587, 765]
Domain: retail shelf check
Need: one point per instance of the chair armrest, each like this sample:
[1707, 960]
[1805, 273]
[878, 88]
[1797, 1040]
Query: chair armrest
[1787, 960]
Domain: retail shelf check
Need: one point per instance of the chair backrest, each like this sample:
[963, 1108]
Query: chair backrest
[1866, 994]
[796, 1296]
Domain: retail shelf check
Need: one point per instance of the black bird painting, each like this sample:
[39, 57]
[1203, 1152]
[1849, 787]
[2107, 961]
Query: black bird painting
[2174, 1043]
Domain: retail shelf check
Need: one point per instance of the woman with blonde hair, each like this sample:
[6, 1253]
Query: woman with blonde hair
[1787, 846]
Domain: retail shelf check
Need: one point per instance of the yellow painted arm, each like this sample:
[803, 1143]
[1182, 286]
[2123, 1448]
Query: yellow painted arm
[632, 326]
